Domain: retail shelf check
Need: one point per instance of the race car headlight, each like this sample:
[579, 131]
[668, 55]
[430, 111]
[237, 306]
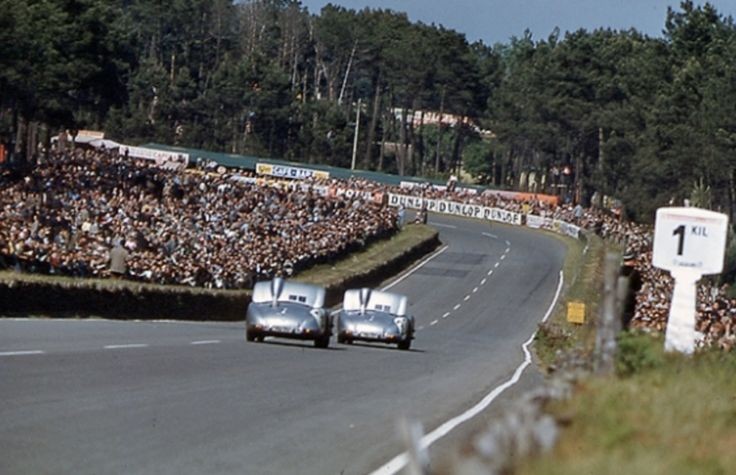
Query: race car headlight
[400, 323]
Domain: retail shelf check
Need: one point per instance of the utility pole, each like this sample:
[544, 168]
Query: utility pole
[355, 137]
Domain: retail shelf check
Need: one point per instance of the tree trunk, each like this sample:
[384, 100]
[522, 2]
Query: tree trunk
[372, 125]
[439, 133]
[383, 142]
[401, 151]
[20, 133]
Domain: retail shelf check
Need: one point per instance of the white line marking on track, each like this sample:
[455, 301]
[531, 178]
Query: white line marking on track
[456, 307]
[415, 268]
[432, 223]
[446, 314]
[507, 250]
[398, 462]
[490, 272]
[497, 264]
[205, 342]
[507, 243]
[21, 353]
[466, 298]
[483, 281]
[490, 235]
[420, 328]
[475, 289]
[503, 257]
[129, 345]
[433, 323]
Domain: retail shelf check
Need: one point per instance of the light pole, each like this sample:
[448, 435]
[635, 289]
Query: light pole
[355, 137]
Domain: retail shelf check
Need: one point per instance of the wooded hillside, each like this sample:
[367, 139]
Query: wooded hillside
[648, 120]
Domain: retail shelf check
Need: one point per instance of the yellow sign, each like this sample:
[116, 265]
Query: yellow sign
[576, 312]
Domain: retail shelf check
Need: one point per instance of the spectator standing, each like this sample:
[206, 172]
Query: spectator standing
[118, 258]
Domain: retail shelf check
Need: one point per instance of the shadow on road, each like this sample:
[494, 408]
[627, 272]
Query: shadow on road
[298, 344]
[380, 346]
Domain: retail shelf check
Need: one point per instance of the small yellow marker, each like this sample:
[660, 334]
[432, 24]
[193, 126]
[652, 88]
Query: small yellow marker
[576, 312]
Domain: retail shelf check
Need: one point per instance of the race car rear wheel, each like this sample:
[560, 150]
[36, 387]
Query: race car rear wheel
[249, 335]
[404, 345]
[322, 342]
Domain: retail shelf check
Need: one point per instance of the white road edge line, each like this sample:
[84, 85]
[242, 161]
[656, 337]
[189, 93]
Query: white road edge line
[475, 289]
[483, 281]
[466, 298]
[497, 264]
[398, 462]
[490, 272]
[446, 314]
[129, 345]
[21, 353]
[205, 342]
[415, 268]
[456, 307]
[508, 243]
[503, 257]
[433, 323]
[490, 235]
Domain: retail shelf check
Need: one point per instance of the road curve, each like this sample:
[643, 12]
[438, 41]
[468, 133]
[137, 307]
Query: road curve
[155, 397]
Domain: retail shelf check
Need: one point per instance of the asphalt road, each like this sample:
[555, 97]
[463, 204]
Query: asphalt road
[97, 397]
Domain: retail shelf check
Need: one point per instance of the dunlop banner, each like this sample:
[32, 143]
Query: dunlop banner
[285, 171]
[455, 208]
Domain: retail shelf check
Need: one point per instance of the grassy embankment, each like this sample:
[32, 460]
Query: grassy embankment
[659, 414]
[583, 270]
[45, 295]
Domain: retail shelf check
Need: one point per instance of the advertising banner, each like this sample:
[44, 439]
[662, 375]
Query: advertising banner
[455, 208]
[285, 171]
[163, 158]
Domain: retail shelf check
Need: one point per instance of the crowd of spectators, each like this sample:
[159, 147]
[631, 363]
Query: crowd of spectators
[172, 227]
[75, 212]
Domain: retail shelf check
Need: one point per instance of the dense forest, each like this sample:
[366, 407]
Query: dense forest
[585, 114]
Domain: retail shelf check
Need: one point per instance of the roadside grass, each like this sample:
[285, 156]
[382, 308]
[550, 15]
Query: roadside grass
[583, 272]
[372, 257]
[662, 414]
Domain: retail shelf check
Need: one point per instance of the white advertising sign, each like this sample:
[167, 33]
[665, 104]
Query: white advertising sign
[455, 208]
[161, 157]
[688, 242]
[690, 239]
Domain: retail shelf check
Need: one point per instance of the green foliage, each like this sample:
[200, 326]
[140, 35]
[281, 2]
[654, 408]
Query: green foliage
[629, 116]
[477, 160]
[638, 352]
[701, 195]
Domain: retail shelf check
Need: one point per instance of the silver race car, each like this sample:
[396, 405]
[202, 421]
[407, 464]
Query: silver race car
[373, 315]
[290, 310]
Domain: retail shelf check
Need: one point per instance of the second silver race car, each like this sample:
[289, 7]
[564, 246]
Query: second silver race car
[290, 310]
[374, 315]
